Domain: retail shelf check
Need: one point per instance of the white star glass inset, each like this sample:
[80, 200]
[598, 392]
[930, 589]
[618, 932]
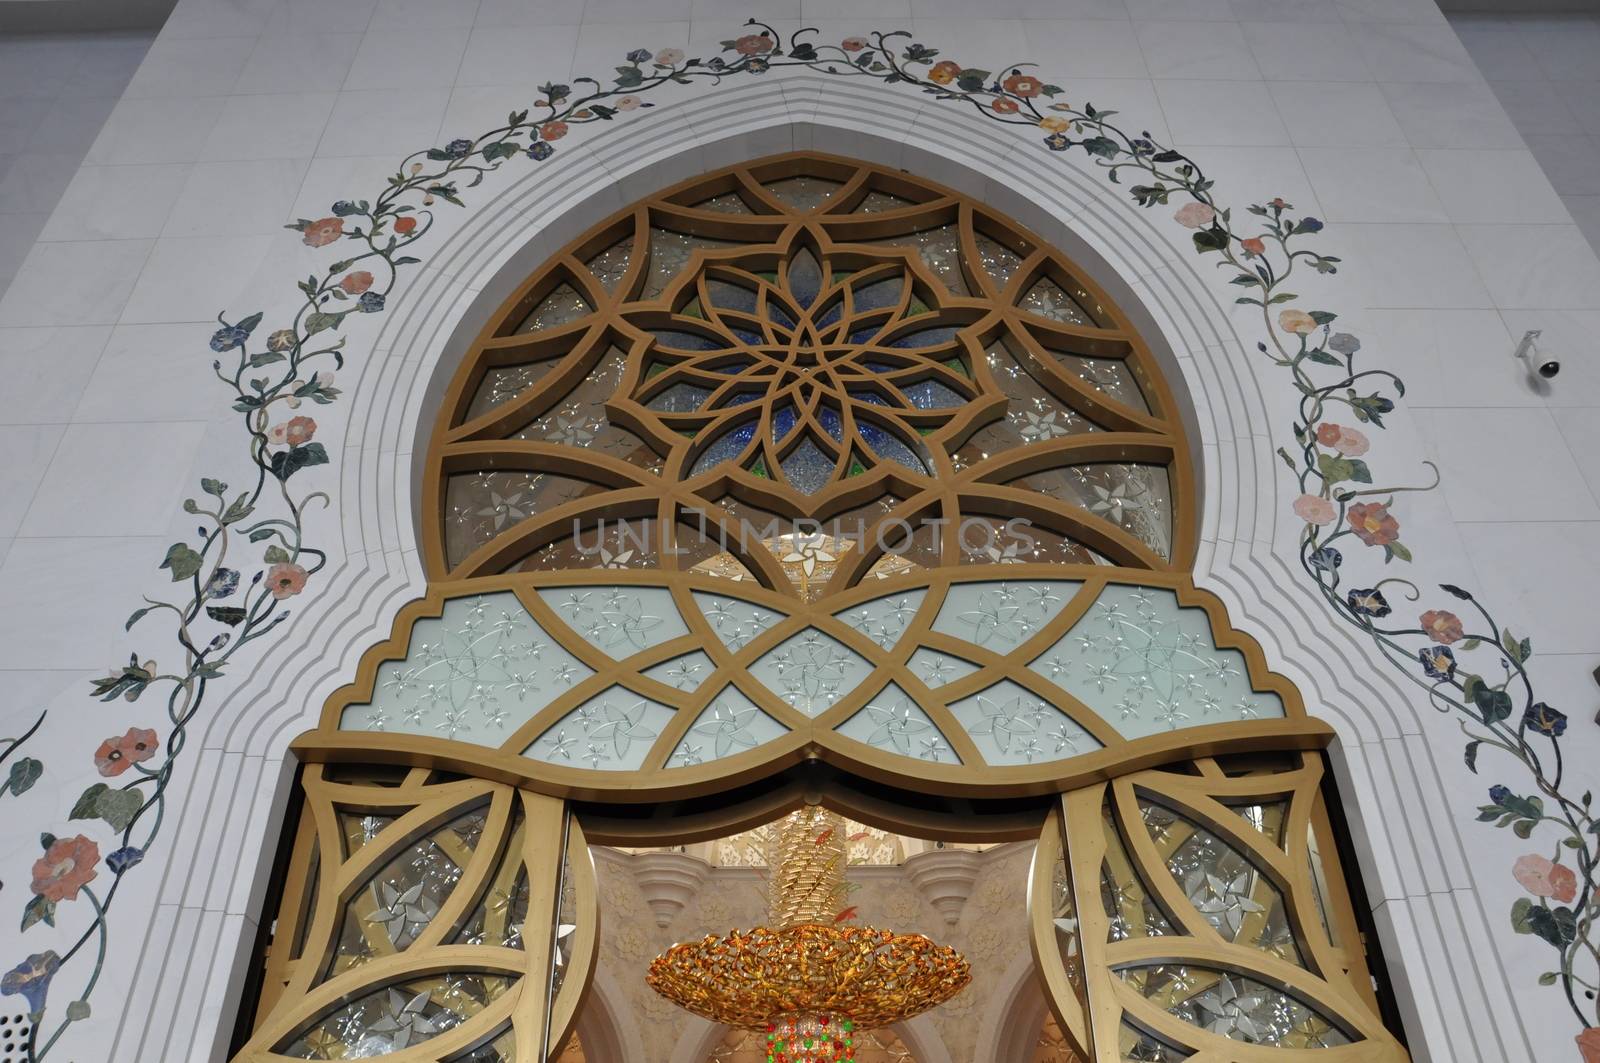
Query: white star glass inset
[474, 674]
[683, 673]
[1147, 665]
[936, 669]
[735, 620]
[730, 725]
[811, 671]
[884, 620]
[618, 621]
[610, 732]
[1001, 616]
[1013, 725]
[893, 723]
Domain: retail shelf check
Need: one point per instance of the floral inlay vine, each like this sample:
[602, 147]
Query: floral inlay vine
[218, 611]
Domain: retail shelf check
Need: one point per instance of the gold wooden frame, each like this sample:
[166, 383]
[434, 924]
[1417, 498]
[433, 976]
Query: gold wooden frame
[1089, 1001]
[463, 442]
[1098, 836]
[325, 880]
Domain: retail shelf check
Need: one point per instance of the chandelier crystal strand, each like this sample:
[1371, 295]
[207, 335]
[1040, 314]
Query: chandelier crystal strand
[807, 856]
[810, 981]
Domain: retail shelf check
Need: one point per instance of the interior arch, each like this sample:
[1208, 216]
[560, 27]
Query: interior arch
[805, 338]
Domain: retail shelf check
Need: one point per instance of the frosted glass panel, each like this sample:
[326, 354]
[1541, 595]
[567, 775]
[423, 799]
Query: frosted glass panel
[610, 732]
[1146, 665]
[683, 673]
[936, 669]
[474, 674]
[1001, 616]
[1012, 725]
[811, 671]
[734, 620]
[1234, 1006]
[730, 725]
[618, 621]
[893, 723]
[884, 620]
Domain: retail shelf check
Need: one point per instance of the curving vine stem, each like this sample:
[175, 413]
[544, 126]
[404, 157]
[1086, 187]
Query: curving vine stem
[214, 612]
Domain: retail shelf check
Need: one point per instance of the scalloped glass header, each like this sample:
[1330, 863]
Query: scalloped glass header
[629, 678]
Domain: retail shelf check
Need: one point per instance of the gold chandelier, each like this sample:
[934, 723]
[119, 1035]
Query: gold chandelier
[809, 981]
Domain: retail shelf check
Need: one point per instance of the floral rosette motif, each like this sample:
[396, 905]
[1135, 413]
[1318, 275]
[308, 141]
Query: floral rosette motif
[829, 371]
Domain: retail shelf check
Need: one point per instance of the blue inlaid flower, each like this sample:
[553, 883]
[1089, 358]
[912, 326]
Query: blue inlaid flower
[1327, 558]
[1547, 721]
[124, 858]
[1309, 224]
[1498, 794]
[757, 66]
[459, 148]
[223, 582]
[639, 55]
[370, 303]
[344, 208]
[1370, 602]
[1058, 142]
[31, 979]
[1438, 662]
[228, 337]
[1343, 343]
[539, 151]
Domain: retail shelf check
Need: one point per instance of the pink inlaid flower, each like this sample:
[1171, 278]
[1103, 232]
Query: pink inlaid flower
[553, 130]
[293, 432]
[1443, 627]
[1023, 85]
[1372, 523]
[1195, 215]
[66, 867]
[669, 56]
[944, 72]
[1002, 105]
[854, 44]
[628, 103]
[1347, 441]
[322, 232]
[1543, 877]
[1297, 321]
[404, 225]
[117, 755]
[285, 580]
[753, 44]
[1314, 509]
[1589, 1045]
[356, 282]
[1253, 245]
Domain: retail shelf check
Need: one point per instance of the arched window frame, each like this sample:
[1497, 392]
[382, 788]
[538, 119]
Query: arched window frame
[469, 436]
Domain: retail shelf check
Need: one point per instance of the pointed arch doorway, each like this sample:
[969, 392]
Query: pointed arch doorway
[811, 480]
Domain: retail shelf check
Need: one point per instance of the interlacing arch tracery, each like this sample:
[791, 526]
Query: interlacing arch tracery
[807, 461]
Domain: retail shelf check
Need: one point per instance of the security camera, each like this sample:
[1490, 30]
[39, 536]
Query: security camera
[1526, 350]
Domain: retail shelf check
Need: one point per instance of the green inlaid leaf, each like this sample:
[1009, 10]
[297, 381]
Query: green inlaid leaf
[39, 910]
[182, 560]
[24, 773]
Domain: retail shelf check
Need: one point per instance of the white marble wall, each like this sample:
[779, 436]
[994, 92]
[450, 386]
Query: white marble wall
[249, 113]
[56, 91]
